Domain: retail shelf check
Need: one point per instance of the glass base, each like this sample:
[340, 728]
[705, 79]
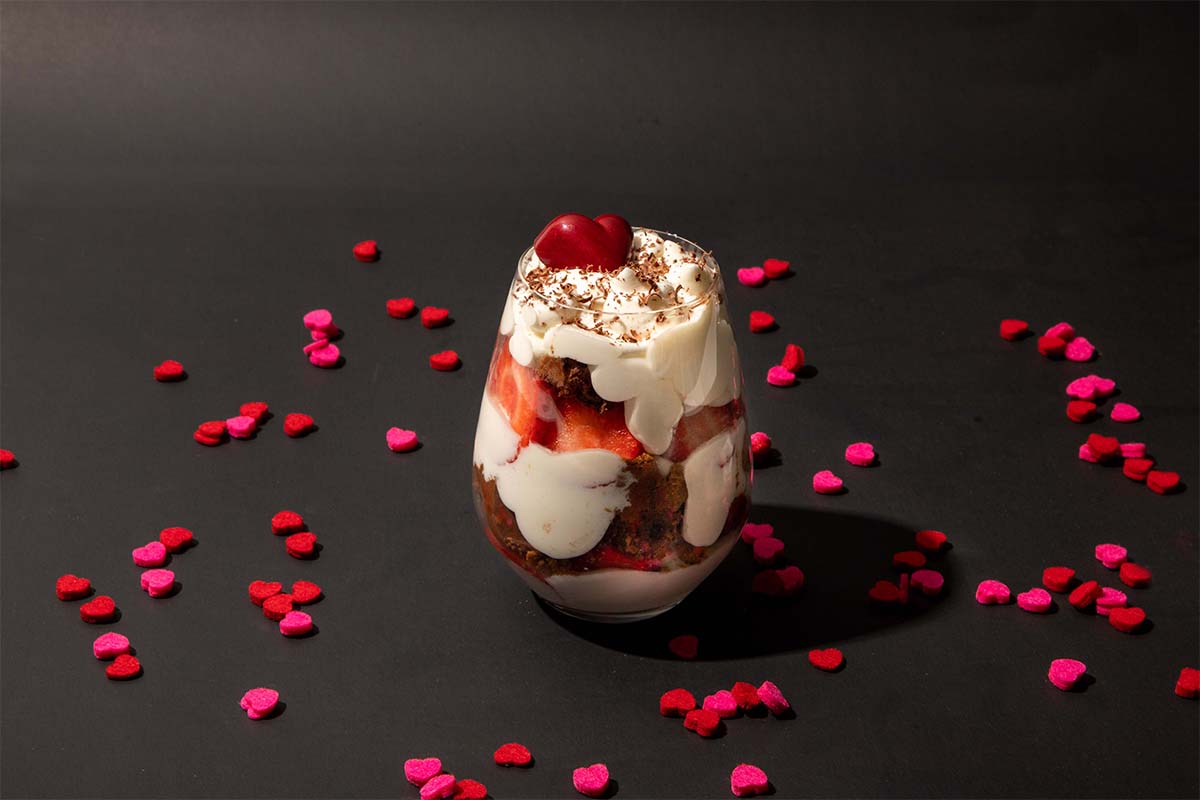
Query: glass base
[609, 618]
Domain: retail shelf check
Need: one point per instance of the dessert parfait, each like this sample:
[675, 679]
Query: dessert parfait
[611, 462]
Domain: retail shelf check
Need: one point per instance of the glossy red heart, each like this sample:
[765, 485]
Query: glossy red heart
[72, 587]
[573, 240]
[99, 609]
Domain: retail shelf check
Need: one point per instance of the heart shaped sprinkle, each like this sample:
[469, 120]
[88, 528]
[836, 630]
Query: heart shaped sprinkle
[756, 530]
[1058, 579]
[434, 317]
[151, 554]
[1133, 450]
[512, 754]
[261, 590]
[1062, 330]
[825, 482]
[1134, 575]
[1080, 349]
[256, 409]
[792, 579]
[169, 371]
[467, 789]
[301, 545]
[401, 307]
[1111, 555]
[325, 357]
[931, 541]
[884, 592]
[72, 587]
[1136, 469]
[210, 433]
[7, 459]
[685, 646]
[576, 241]
[1124, 412]
[367, 251]
[109, 645]
[722, 703]
[1162, 482]
[1109, 599]
[908, 560]
[1035, 601]
[773, 698]
[323, 337]
[778, 582]
[778, 376]
[761, 322]
[445, 361]
[1188, 685]
[992, 593]
[752, 276]
[1084, 595]
[793, 358]
[1105, 447]
[1104, 386]
[1066, 672]
[760, 446]
[776, 267]
[1013, 329]
[176, 539]
[1087, 454]
[1051, 346]
[747, 780]
[591, 781]
[418, 771]
[438, 787]
[285, 522]
[296, 425]
[319, 319]
[305, 592]
[277, 606]
[1126, 620]
[1081, 410]
[827, 660]
[766, 549]
[745, 695]
[861, 454]
[400, 440]
[295, 623]
[319, 342]
[158, 582]
[703, 721]
[123, 668]
[259, 703]
[241, 427]
[101, 608]
[1082, 389]
[928, 582]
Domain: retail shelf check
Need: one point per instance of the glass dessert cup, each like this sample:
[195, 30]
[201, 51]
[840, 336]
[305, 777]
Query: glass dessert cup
[611, 464]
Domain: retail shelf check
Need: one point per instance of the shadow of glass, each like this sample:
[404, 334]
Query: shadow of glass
[842, 556]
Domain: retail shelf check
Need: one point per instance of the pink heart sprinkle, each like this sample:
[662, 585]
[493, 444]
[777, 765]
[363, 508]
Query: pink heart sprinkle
[1065, 672]
[241, 427]
[861, 454]
[400, 440]
[1082, 389]
[295, 623]
[438, 787]
[1035, 601]
[1109, 599]
[928, 581]
[1111, 555]
[591, 781]
[151, 554]
[791, 577]
[110, 645]
[315, 344]
[325, 357]
[773, 698]
[1087, 454]
[259, 702]
[756, 530]
[781, 376]
[723, 703]
[752, 276]
[766, 549]
[1104, 386]
[418, 771]
[1124, 412]
[158, 582]
[991, 592]
[1080, 349]
[1133, 449]
[1062, 330]
[825, 482]
[318, 319]
[747, 780]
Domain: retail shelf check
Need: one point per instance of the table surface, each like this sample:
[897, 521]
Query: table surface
[186, 180]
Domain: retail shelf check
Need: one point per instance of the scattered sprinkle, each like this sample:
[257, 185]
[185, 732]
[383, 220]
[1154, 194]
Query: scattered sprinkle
[434, 317]
[367, 251]
[752, 276]
[158, 582]
[722, 703]
[1162, 481]
[401, 307]
[296, 425]
[1065, 673]
[703, 721]
[284, 522]
[773, 698]
[418, 771]
[1124, 412]
[591, 781]
[827, 660]
[445, 361]
[1126, 620]
[1111, 555]
[1135, 576]
[685, 646]
[261, 590]
[928, 581]
[110, 645]
[301, 545]
[775, 267]
[747, 780]
[259, 703]
[124, 667]
[295, 623]
[1035, 601]
[825, 482]
[992, 592]
[72, 587]
[512, 754]
[151, 554]
[169, 371]
[761, 322]
[1058, 579]
[1084, 595]
[781, 376]
[401, 441]
[861, 454]
[1013, 329]
[931, 541]
[101, 608]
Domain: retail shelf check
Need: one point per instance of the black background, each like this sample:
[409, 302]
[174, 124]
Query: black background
[186, 180]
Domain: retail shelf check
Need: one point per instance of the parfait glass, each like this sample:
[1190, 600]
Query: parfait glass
[611, 462]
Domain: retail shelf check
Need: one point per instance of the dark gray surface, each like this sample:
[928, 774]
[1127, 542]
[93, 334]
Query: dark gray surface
[185, 180]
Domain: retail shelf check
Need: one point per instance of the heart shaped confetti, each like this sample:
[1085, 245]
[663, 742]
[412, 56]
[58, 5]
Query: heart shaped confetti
[401, 307]
[752, 276]
[1162, 481]
[1065, 673]
[773, 698]
[367, 251]
[158, 582]
[7, 459]
[1134, 575]
[908, 560]
[1080, 349]
[1013, 329]
[1124, 412]
[1133, 450]
[1084, 595]
[827, 660]
[1109, 599]
[1126, 620]
[285, 522]
[756, 530]
[722, 703]
[1051, 346]
[1081, 410]
[1058, 579]
[761, 322]
[931, 541]
[992, 592]
[72, 587]
[747, 780]
[101, 608]
[1137, 469]
[928, 582]
[1111, 556]
[861, 454]
[260, 702]
[325, 357]
[703, 721]
[301, 545]
[123, 668]
[884, 592]
[176, 539]
[467, 789]
[1104, 386]
[1106, 448]
[151, 554]
[261, 590]
[277, 606]
[779, 376]
[319, 319]
[109, 645]
[1035, 601]
[241, 427]
[1188, 684]
[296, 425]
[295, 623]
[256, 409]
[745, 695]
[445, 361]
[1062, 330]
[576, 241]
[169, 371]
[776, 267]
[305, 592]
[825, 482]
[1082, 389]
[760, 446]
[685, 646]
[400, 440]
[418, 771]
[434, 317]
[767, 549]
[793, 358]
[591, 781]
[512, 754]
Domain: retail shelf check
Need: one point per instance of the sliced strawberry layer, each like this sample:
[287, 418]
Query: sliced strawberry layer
[697, 428]
[582, 427]
[520, 395]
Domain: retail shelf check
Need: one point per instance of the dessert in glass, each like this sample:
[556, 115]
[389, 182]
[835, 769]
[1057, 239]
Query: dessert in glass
[611, 463]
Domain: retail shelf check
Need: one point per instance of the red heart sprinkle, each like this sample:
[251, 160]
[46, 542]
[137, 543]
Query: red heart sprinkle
[255, 409]
[1188, 684]
[277, 606]
[1137, 469]
[931, 541]
[212, 428]
[401, 307]
[1051, 346]
[433, 317]
[169, 371]
[761, 321]
[908, 559]
[99, 609]
[261, 590]
[702, 721]
[676, 703]
[468, 789]
[513, 754]
[1134, 575]
[1126, 620]
[72, 587]
[305, 592]
[123, 668]
[445, 361]
[176, 539]
[745, 695]
[1080, 410]
[828, 660]
[793, 358]
[297, 425]
[208, 441]
[1085, 594]
[367, 251]
[575, 241]
[684, 647]
[286, 522]
[301, 545]
[775, 267]
[760, 444]
[1105, 447]
[1162, 481]
[1013, 329]
[884, 592]
[1058, 579]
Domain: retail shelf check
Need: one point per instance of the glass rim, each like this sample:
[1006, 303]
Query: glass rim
[709, 262]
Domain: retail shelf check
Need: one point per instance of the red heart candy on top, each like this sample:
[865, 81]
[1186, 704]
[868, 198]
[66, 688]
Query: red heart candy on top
[573, 240]
[72, 587]
[685, 646]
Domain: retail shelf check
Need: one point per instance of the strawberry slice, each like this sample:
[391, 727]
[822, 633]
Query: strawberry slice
[606, 556]
[697, 428]
[582, 427]
[522, 397]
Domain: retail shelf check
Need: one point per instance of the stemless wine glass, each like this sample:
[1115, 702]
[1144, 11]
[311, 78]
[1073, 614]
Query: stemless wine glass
[611, 463]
